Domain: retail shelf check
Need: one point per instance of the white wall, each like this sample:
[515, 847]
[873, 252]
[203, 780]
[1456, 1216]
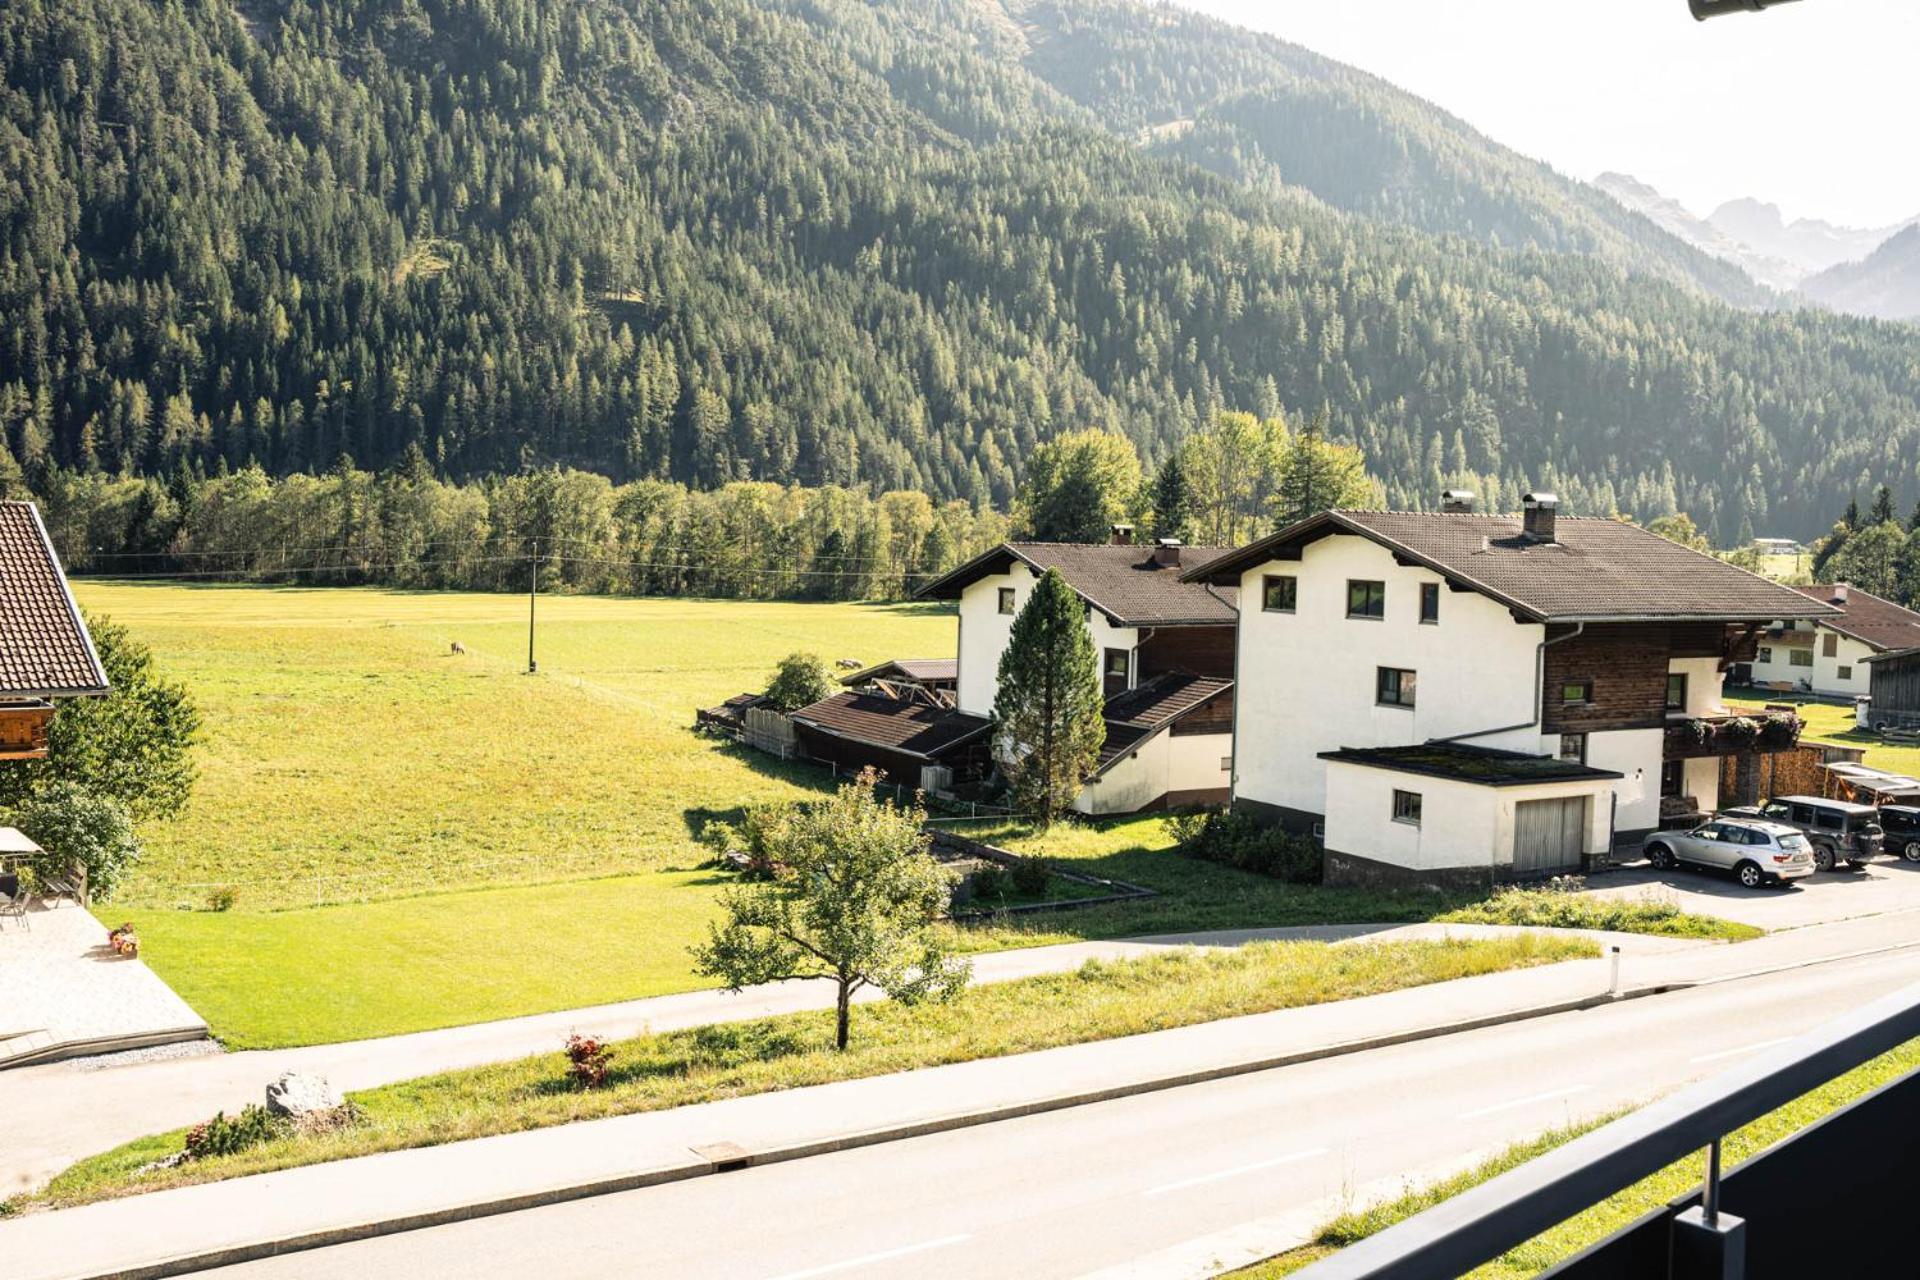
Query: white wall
[1824, 675]
[1306, 679]
[985, 633]
[1705, 685]
[1163, 763]
[1194, 761]
[1461, 825]
[1636, 755]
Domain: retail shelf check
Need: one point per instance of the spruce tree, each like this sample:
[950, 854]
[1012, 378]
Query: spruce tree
[1048, 727]
[1172, 500]
[1882, 512]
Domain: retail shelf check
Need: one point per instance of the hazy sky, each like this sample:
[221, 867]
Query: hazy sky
[1811, 105]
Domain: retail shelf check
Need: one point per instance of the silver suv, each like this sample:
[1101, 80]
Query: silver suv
[1756, 852]
[1839, 831]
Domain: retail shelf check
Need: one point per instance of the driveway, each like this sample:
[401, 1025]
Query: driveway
[1887, 884]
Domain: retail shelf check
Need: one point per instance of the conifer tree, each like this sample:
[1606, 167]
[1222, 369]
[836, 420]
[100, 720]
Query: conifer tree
[1048, 728]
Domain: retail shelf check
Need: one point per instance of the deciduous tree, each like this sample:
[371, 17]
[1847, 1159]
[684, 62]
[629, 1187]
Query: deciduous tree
[1078, 486]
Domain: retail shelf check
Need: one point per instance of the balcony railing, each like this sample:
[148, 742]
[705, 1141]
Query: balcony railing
[1696, 737]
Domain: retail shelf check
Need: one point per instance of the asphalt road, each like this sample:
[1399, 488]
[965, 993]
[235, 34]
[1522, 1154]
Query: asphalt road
[1177, 1183]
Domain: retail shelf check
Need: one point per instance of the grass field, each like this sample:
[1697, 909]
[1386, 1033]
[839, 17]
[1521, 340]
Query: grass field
[1830, 722]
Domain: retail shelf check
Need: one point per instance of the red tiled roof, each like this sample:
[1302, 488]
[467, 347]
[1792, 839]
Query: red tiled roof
[915, 728]
[45, 650]
[1122, 582]
[1595, 570]
[1867, 618]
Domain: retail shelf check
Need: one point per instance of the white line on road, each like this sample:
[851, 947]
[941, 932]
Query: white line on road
[1526, 1102]
[1204, 1178]
[850, 1263]
[1745, 1048]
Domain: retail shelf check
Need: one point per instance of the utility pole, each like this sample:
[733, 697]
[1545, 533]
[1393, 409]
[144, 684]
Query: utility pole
[533, 593]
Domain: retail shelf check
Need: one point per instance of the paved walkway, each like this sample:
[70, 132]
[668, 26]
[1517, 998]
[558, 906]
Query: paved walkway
[353, 1198]
[60, 1113]
[67, 991]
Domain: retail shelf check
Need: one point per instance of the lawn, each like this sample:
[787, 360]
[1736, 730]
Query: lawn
[1097, 1002]
[1830, 722]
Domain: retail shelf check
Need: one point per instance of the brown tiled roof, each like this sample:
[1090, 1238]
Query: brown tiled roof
[915, 728]
[1595, 570]
[1140, 713]
[919, 670]
[1120, 739]
[1122, 582]
[45, 650]
[1867, 618]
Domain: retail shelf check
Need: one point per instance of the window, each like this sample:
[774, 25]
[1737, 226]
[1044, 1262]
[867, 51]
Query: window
[1406, 807]
[1366, 599]
[1676, 692]
[1763, 654]
[1845, 673]
[1830, 645]
[1118, 662]
[1430, 602]
[1576, 693]
[1673, 778]
[1226, 764]
[1006, 600]
[1573, 747]
[1279, 594]
[1394, 687]
[1799, 657]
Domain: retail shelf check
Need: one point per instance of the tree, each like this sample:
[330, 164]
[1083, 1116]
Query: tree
[1078, 486]
[1172, 501]
[84, 828]
[1872, 559]
[1319, 476]
[800, 680]
[853, 898]
[1679, 527]
[1047, 722]
[1882, 511]
[1232, 469]
[133, 746]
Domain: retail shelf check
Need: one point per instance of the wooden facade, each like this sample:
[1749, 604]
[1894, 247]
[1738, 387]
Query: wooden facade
[23, 730]
[1896, 690]
[1623, 670]
[1204, 651]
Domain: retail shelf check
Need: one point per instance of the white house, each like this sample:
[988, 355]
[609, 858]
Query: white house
[1452, 696]
[1828, 656]
[1165, 648]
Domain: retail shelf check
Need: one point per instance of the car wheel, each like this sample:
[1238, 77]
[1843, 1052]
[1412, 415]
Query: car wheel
[1660, 857]
[1912, 852]
[1823, 857]
[1750, 875]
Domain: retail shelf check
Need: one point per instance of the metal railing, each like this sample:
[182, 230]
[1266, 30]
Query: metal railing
[1483, 1223]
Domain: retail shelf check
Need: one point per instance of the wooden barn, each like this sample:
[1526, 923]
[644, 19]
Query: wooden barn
[1896, 690]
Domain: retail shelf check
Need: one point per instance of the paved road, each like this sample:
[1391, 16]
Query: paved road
[1883, 885]
[1179, 1183]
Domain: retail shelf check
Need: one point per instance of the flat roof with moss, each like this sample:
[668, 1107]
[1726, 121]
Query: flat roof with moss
[1478, 765]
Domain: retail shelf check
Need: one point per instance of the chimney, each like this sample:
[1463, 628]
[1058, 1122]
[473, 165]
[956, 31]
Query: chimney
[1840, 593]
[1166, 553]
[1540, 509]
[1457, 502]
[1121, 535]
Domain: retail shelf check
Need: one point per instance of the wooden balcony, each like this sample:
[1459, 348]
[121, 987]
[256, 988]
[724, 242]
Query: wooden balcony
[1699, 737]
[23, 730]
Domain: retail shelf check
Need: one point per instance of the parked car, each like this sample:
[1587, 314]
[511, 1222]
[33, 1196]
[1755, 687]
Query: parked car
[1756, 852]
[1902, 826]
[1840, 832]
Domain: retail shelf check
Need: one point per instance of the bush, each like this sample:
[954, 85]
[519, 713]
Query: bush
[800, 680]
[587, 1061]
[220, 900]
[1235, 839]
[991, 881]
[1031, 877]
[223, 1137]
[83, 827]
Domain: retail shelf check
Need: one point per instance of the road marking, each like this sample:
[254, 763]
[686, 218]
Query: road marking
[1526, 1102]
[1205, 1178]
[1734, 1053]
[866, 1259]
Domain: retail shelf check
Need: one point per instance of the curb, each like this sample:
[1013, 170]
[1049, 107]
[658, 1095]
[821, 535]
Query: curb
[45, 1048]
[741, 1158]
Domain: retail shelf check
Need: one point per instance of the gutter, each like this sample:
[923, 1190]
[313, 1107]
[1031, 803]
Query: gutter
[1539, 691]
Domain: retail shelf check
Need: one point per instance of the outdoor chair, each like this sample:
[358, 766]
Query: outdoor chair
[13, 898]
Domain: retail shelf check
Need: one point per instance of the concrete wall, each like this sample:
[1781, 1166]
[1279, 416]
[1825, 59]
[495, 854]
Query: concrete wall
[1823, 677]
[1462, 826]
[1635, 754]
[1306, 680]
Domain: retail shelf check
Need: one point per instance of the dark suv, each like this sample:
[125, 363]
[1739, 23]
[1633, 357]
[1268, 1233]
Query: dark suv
[1902, 824]
[1840, 832]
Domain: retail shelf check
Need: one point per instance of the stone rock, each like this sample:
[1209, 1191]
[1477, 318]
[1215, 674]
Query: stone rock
[303, 1098]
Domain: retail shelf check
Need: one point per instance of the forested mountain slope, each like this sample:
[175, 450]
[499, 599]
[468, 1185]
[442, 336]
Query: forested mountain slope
[891, 245]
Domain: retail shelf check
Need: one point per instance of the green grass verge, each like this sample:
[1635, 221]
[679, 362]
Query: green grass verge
[1099, 1001]
[1548, 909]
[1604, 1219]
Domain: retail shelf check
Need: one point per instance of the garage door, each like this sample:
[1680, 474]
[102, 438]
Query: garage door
[1549, 836]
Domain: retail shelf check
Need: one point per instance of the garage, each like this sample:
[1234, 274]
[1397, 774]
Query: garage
[1549, 836]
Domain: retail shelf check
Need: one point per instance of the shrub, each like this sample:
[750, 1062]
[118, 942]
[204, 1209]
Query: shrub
[587, 1061]
[221, 1136]
[83, 827]
[1030, 877]
[1235, 839]
[220, 900]
[990, 881]
[800, 680]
